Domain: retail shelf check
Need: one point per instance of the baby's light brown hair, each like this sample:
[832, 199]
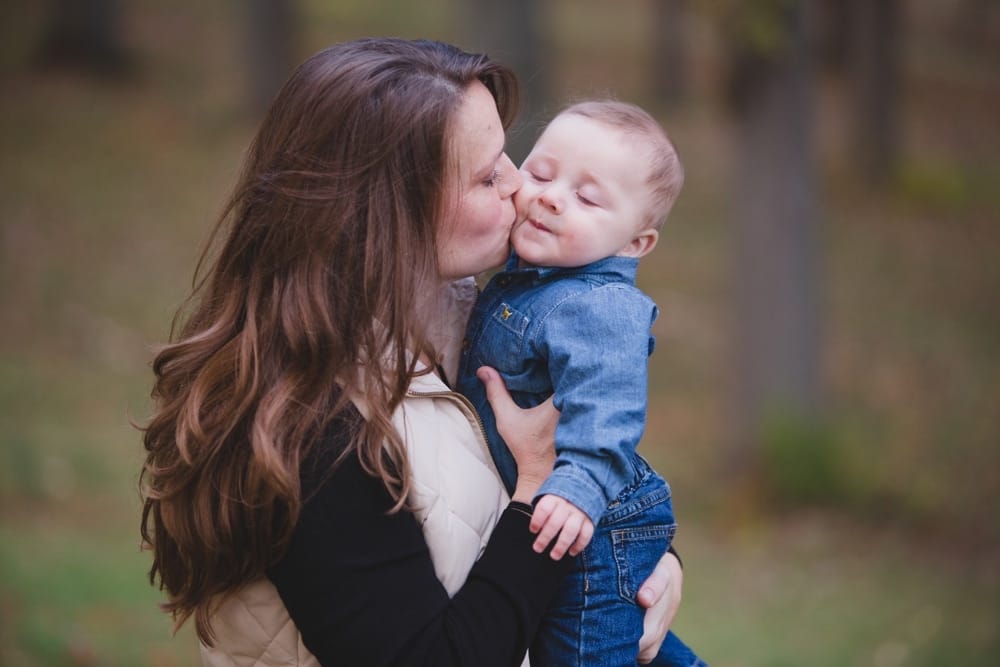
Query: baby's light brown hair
[666, 174]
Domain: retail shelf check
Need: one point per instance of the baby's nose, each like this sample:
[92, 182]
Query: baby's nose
[551, 200]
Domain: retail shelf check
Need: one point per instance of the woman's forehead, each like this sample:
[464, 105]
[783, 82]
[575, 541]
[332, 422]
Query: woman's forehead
[477, 135]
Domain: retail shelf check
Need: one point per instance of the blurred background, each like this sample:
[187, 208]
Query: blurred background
[825, 393]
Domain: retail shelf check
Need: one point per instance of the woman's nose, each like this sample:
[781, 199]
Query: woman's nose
[512, 179]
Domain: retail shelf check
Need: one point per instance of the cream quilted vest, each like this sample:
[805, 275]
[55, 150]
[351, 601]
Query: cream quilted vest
[456, 492]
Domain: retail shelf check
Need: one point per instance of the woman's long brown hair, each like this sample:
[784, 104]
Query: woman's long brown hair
[307, 292]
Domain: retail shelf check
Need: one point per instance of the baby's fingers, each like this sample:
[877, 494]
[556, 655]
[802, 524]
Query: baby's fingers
[583, 539]
[544, 508]
[567, 536]
[551, 528]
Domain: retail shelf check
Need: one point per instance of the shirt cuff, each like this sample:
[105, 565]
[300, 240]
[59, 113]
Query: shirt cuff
[523, 508]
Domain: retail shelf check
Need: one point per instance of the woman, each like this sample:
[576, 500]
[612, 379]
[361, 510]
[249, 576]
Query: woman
[306, 460]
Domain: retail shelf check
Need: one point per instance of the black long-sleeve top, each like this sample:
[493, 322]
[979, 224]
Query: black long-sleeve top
[360, 585]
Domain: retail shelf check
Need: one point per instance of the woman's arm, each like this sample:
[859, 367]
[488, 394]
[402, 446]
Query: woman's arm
[360, 585]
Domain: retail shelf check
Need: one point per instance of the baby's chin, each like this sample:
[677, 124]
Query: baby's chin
[517, 241]
[528, 253]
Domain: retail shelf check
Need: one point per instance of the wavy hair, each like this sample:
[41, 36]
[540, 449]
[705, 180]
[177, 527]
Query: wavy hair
[306, 294]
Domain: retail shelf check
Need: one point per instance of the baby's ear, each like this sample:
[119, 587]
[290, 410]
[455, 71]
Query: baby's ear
[642, 244]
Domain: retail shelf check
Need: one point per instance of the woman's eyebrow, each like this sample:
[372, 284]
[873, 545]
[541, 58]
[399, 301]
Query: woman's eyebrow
[491, 165]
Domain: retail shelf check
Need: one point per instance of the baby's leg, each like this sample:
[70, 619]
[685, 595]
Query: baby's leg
[595, 619]
[675, 653]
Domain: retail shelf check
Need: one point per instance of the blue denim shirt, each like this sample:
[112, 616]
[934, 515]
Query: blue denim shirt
[584, 335]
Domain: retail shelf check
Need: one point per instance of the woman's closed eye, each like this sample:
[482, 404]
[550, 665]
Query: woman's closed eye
[493, 178]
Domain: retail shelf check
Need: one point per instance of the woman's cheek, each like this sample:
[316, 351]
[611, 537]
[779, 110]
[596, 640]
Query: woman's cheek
[521, 199]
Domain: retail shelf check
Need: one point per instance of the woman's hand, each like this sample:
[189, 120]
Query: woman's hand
[530, 433]
[660, 594]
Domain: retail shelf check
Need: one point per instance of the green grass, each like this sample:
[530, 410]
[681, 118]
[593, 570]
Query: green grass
[815, 589]
[108, 190]
[76, 594]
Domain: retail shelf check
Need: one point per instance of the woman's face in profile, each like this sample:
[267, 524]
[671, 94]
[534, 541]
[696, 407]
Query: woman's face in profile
[478, 205]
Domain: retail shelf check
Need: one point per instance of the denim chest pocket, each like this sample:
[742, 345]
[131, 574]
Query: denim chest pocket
[500, 344]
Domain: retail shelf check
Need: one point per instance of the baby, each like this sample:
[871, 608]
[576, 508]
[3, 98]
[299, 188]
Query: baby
[565, 318]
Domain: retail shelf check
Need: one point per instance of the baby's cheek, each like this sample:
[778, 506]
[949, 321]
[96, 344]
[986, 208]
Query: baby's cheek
[579, 249]
[523, 197]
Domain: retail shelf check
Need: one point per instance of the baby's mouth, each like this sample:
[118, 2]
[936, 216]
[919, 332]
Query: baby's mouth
[537, 225]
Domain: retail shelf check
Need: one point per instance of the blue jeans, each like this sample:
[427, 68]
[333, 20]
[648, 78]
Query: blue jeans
[594, 619]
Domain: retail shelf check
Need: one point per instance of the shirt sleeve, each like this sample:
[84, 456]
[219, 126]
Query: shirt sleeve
[597, 344]
[359, 583]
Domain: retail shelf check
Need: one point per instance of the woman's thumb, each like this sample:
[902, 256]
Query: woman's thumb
[496, 390]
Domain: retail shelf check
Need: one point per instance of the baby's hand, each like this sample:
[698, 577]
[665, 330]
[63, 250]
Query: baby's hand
[554, 515]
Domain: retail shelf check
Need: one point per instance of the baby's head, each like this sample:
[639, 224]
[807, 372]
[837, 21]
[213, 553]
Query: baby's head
[599, 182]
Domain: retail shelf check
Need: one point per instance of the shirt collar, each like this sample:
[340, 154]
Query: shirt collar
[623, 268]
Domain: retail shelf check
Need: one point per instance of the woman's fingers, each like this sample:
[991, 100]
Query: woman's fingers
[496, 391]
[660, 594]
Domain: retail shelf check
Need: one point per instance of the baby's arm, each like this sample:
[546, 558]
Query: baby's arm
[596, 346]
[556, 516]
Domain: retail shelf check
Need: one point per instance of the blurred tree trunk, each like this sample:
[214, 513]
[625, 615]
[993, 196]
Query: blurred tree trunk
[776, 212]
[669, 62]
[510, 32]
[874, 71]
[834, 23]
[84, 35]
[975, 24]
[270, 49]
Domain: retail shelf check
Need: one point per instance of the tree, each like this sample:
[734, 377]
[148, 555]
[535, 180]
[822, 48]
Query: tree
[776, 214]
[510, 32]
[668, 62]
[84, 35]
[861, 45]
[270, 49]
[874, 51]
